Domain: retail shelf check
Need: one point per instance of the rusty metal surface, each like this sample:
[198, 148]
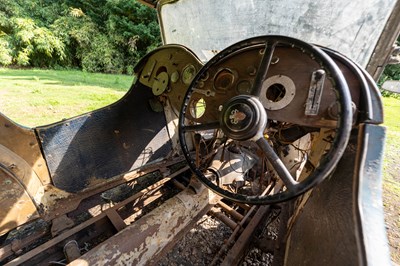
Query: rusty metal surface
[80, 168]
[23, 141]
[151, 233]
[65, 202]
[217, 213]
[238, 250]
[78, 163]
[71, 250]
[17, 245]
[20, 187]
[16, 206]
[29, 256]
[236, 232]
[345, 209]
[170, 62]
[60, 224]
[115, 219]
[23, 171]
[232, 212]
[107, 222]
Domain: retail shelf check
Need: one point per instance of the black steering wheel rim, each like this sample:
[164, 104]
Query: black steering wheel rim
[344, 123]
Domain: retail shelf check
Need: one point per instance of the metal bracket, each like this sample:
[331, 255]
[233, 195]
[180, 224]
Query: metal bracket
[315, 92]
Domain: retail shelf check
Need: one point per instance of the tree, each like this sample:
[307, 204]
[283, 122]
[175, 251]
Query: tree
[94, 35]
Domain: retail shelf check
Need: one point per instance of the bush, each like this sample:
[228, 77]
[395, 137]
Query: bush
[5, 53]
[94, 35]
[76, 33]
[103, 57]
[29, 44]
[133, 27]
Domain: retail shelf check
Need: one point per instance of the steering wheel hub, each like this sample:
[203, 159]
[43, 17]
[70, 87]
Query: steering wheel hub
[243, 117]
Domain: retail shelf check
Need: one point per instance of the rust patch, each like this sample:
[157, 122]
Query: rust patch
[16, 206]
[145, 239]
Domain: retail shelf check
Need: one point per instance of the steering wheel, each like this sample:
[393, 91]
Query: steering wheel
[243, 119]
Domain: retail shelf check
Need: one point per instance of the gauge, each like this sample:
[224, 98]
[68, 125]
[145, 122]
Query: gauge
[160, 83]
[244, 87]
[188, 74]
[251, 70]
[174, 76]
[224, 79]
[205, 76]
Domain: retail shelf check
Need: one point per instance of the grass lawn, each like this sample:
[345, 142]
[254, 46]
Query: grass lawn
[391, 175]
[38, 97]
[392, 148]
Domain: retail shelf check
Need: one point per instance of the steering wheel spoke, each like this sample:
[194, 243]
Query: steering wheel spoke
[277, 163]
[201, 127]
[264, 66]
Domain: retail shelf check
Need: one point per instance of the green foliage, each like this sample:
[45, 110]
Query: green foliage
[391, 72]
[76, 32]
[104, 57]
[33, 45]
[5, 53]
[95, 9]
[133, 29]
[94, 35]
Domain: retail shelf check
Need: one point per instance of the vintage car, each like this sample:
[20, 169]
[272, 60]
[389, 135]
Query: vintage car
[268, 103]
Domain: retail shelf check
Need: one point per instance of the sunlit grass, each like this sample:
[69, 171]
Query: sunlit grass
[391, 174]
[392, 147]
[39, 97]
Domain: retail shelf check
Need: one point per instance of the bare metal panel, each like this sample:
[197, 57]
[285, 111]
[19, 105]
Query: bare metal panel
[91, 148]
[350, 27]
[369, 188]
[324, 232]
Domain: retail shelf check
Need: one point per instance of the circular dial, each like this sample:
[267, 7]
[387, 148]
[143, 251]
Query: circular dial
[244, 87]
[188, 73]
[224, 79]
[160, 83]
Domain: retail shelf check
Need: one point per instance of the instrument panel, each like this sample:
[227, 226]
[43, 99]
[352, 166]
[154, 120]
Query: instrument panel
[169, 72]
[296, 90]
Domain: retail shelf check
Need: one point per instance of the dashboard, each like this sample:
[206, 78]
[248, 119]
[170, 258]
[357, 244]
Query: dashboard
[296, 90]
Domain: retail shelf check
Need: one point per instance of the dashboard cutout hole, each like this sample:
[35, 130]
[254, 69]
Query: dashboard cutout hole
[197, 108]
[276, 92]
